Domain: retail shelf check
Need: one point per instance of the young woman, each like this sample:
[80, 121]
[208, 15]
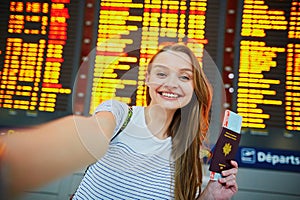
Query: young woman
[156, 156]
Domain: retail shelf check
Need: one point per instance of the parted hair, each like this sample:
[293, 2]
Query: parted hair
[188, 129]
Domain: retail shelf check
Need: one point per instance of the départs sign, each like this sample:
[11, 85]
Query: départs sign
[269, 159]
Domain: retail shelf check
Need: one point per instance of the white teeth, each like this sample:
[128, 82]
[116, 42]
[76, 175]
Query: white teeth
[170, 95]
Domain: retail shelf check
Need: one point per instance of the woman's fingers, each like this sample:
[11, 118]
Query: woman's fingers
[233, 170]
[229, 177]
[228, 180]
[234, 164]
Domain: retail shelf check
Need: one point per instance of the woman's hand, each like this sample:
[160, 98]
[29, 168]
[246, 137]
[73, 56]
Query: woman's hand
[224, 188]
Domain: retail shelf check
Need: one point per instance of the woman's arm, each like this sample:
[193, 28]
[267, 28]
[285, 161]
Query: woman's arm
[224, 188]
[37, 155]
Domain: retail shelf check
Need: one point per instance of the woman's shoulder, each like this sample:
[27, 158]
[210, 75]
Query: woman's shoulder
[111, 105]
[113, 102]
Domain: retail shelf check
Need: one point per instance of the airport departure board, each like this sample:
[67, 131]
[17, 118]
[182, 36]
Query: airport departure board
[130, 33]
[38, 58]
[268, 67]
[40, 45]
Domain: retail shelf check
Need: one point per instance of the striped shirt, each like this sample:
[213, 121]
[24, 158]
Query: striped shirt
[137, 164]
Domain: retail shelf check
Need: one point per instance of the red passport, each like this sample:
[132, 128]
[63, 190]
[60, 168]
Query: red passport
[225, 150]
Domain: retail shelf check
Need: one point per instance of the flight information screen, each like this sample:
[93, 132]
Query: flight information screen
[38, 42]
[41, 44]
[268, 67]
[130, 33]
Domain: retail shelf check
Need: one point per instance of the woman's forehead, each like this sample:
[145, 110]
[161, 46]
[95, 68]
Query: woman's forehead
[172, 58]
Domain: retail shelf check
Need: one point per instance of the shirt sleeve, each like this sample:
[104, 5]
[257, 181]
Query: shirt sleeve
[118, 109]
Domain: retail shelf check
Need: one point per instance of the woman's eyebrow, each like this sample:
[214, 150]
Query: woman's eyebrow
[165, 67]
[187, 69]
[159, 66]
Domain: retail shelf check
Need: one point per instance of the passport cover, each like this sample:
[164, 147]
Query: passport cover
[225, 150]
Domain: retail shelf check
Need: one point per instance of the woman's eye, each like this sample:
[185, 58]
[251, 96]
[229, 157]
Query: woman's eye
[161, 74]
[185, 78]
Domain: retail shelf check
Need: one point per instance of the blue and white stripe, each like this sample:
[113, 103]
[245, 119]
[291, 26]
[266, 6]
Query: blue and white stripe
[137, 165]
[125, 174]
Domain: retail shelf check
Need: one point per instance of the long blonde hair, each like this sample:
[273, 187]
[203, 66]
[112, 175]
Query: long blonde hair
[188, 130]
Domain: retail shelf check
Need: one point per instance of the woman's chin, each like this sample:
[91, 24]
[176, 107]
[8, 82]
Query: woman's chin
[172, 105]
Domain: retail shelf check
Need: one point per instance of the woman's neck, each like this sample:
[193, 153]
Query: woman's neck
[158, 120]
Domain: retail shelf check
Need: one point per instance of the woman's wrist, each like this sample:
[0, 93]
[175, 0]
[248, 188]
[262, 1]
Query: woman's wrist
[207, 193]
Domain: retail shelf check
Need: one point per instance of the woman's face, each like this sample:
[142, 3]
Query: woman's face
[170, 80]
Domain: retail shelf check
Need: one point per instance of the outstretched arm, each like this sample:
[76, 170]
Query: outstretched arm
[224, 188]
[37, 155]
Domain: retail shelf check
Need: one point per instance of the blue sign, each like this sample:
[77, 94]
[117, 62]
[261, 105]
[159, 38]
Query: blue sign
[269, 159]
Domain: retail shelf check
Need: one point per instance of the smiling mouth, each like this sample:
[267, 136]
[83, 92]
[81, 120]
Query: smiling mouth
[169, 95]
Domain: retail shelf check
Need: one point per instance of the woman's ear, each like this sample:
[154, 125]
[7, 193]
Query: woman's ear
[147, 79]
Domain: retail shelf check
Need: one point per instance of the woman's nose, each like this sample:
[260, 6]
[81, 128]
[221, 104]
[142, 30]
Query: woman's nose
[172, 81]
